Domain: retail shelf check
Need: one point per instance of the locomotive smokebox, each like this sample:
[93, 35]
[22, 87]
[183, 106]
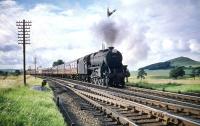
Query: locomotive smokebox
[111, 48]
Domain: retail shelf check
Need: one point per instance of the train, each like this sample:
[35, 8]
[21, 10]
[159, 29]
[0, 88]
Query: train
[103, 67]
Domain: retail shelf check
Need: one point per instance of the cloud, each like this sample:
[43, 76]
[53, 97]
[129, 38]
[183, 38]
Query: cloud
[143, 34]
[194, 46]
[7, 48]
[9, 13]
[10, 58]
[169, 34]
[135, 47]
[52, 32]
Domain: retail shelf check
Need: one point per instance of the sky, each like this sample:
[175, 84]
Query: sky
[145, 31]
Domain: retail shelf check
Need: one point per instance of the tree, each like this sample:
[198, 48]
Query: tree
[17, 72]
[177, 72]
[58, 62]
[198, 72]
[193, 73]
[5, 74]
[141, 74]
[1, 72]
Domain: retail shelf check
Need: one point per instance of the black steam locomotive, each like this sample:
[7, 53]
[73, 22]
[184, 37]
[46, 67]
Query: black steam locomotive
[102, 68]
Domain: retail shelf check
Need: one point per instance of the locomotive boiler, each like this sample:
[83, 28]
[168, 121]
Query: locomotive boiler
[107, 68]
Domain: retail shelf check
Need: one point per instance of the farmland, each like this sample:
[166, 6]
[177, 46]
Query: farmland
[159, 79]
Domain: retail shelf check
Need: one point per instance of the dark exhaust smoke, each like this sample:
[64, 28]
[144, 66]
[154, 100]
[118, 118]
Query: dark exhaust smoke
[109, 31]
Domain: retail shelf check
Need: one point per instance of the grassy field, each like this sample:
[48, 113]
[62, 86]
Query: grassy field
[22, 106]
[159, 79]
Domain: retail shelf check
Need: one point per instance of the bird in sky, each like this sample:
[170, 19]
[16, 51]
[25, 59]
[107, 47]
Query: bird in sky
[109, 13]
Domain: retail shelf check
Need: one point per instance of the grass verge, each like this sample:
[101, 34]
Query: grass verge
[22, 106]
[171, 87]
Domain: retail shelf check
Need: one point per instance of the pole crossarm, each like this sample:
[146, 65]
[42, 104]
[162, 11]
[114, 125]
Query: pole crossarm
[23, 43]
[23, 34]
[19, 37]
[24, 38]
[22, 28]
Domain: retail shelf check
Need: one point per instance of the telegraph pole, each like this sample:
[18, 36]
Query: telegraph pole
[24, 38]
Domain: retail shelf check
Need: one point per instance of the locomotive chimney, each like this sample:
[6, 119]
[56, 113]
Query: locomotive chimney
[111, 48]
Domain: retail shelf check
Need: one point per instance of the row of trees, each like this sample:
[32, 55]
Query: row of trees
[174, 73]
[195, 72]
[179, 72]
[6, 73]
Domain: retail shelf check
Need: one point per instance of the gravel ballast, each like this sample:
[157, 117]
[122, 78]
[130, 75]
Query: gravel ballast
[79, 111]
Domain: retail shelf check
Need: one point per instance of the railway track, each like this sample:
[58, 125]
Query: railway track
[150, 94]
[180, 97]
[159, 98]
[132, 110]
[77, 111]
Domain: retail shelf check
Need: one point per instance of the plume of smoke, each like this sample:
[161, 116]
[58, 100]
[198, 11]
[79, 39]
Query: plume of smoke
[128, 38]
[110, 31]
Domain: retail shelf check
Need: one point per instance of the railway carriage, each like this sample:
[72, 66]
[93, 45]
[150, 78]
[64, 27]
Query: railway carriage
[61, 70]
[55, 71]
[45, 71]
[70, 69]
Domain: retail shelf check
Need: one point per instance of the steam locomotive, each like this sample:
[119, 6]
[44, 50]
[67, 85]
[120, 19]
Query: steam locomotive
[101, 68]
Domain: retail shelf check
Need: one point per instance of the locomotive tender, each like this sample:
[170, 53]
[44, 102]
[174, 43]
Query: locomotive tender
[102, 68]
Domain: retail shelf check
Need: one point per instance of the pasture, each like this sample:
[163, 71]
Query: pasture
[22, 106]
[159, 79]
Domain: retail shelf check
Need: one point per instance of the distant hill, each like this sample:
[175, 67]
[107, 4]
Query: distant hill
[180, 61]
[8, 70]
[184, 61]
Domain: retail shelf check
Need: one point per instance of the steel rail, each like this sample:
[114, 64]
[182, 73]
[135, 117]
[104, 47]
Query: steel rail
[116, 116]
[193, 101]
[155, 97]
[167, 117]
[182, 97]
[139, 94]
[187, 111]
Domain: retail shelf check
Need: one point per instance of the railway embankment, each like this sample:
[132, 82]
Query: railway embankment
[21, 105]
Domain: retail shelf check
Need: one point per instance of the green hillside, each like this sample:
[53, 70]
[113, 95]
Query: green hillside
[180, 61]
[184, 61]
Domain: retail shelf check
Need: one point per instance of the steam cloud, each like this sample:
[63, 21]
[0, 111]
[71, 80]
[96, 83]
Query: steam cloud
[130, 38]
[110, 31]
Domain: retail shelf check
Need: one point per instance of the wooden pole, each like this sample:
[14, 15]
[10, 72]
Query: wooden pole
[23, 34]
